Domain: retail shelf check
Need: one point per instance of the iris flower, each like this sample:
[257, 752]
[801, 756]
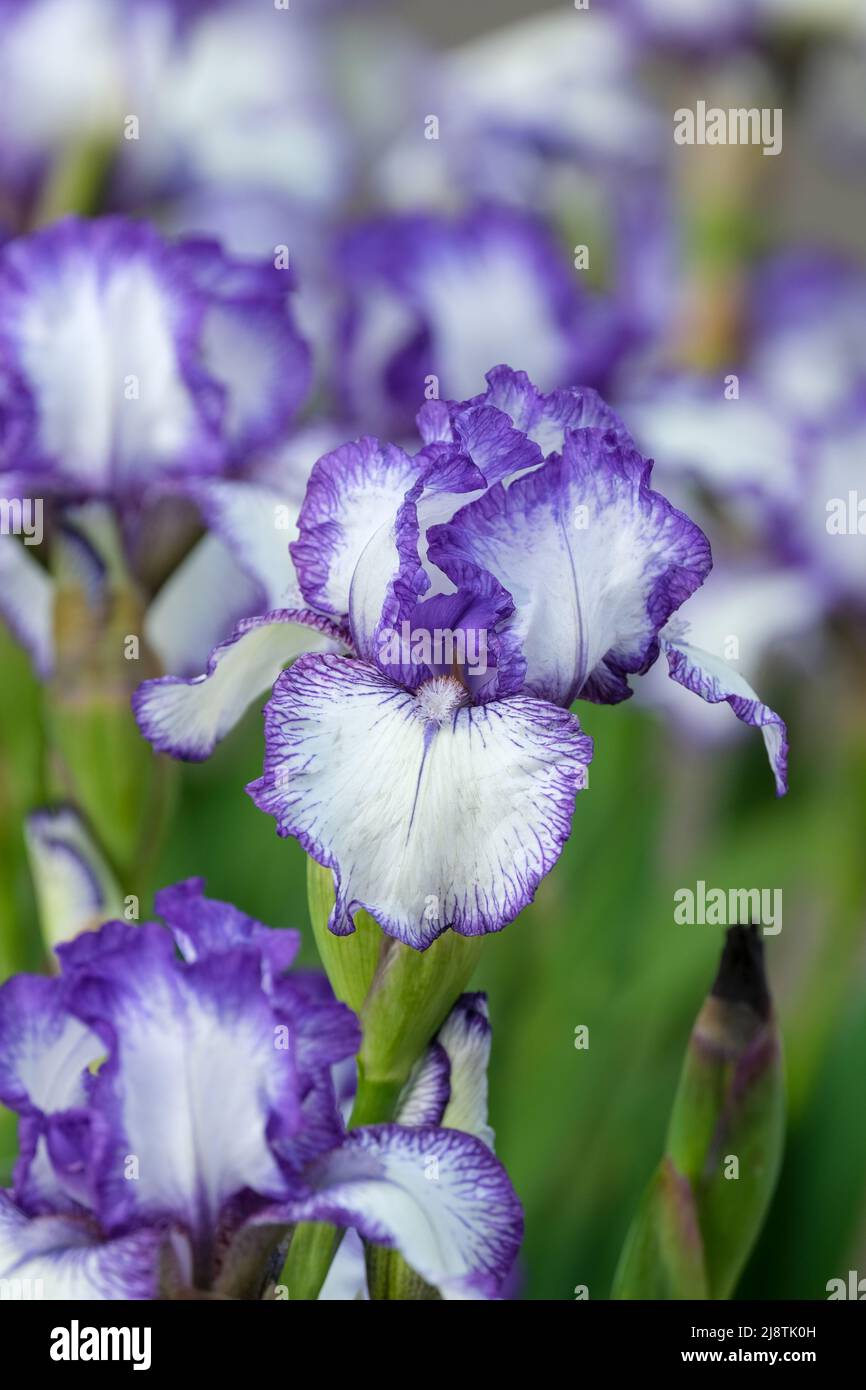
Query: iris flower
[134, 372]
[178, 1117]
[438, 792]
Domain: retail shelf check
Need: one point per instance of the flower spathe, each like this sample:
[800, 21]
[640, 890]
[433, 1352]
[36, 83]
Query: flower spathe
[170, 1102]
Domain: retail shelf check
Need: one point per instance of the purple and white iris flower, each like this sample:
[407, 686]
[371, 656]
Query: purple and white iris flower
[232, 96]
[519, 561]
[178, 1117]
[134, 372]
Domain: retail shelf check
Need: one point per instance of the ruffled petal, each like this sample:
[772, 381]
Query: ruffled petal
[188, 717]
[204, 927]
[75, 888]
[438, 1196]
[393, 570]
[323, 1032]
[492, 442]
[544, 417]
[465, 809]
[27, 602]
[325, 1036]
[595, 560]
[714, 680]
[352, 493]
[45, 1053]
[64, 1257]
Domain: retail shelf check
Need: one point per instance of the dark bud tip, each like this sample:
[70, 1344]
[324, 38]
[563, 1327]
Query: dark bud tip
[741, 978]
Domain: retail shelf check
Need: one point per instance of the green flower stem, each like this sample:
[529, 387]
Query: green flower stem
[375, 1101]
[400, 995]
[390, 1279]
[77, 181]
[97, 758]
[311, 1254]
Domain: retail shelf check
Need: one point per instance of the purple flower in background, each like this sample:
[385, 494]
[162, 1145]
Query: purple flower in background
[519, 561]
[692, 27]
[234, 95]
[515, 108]
[60, 86]
[783, 455]
[432, 300]
[216, 94]
[133, 370]
[546, 116]
[129, 361]
[178, 1114]
[775, 440]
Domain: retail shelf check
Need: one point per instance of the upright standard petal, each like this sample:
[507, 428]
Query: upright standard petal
[198, 1083]
[352, 492]
[465, 808]
[595, 560]
[544, 417]
[436, 1195]
[715, 681]
[99, 337]
[188, 717]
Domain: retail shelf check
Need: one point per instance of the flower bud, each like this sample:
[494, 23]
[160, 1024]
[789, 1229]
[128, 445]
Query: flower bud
[705, 1207]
